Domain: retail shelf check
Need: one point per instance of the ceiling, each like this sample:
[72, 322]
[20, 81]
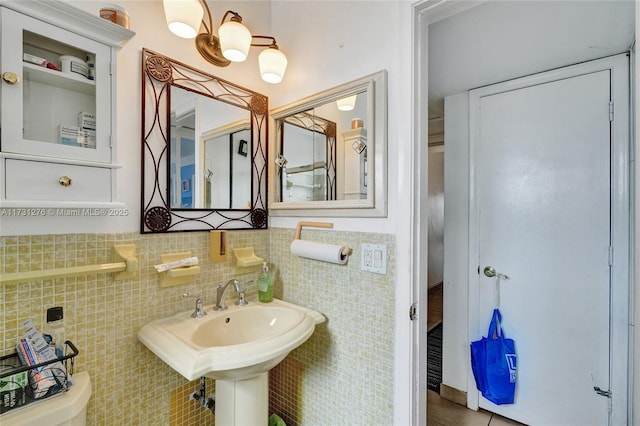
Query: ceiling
[496, 41]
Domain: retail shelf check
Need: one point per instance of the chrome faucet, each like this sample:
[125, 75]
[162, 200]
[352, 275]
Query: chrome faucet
[220, 291]
[199, 312]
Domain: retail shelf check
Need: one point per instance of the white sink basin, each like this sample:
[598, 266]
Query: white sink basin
[235, 344]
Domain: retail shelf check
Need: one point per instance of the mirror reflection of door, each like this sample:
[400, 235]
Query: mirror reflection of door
[227, 167]
[215, 173]
[182, 156]
[305, 176]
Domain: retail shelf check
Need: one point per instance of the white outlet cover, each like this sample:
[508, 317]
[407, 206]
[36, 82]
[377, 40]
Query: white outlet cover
[374, 258]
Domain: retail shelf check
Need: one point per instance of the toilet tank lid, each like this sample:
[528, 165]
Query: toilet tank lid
[54, 410]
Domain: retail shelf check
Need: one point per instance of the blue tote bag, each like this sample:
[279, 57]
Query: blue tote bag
[493, 361]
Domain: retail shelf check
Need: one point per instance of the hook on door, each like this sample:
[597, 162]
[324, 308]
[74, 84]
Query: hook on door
[490, 271]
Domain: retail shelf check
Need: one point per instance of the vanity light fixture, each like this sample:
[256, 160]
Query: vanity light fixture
[184, 19]
[346, 104]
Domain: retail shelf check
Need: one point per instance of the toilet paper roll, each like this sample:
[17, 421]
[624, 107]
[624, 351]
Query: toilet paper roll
[319, 251]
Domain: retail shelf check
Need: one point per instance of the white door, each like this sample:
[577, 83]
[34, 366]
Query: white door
[542, 214]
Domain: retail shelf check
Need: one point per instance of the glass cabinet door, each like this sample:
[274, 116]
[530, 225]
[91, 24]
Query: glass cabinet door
[60, 105]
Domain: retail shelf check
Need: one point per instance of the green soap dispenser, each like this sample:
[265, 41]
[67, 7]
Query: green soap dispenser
[265, 285]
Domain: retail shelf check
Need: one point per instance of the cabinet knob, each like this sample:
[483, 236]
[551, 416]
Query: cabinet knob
[10, 78]
[64, 181]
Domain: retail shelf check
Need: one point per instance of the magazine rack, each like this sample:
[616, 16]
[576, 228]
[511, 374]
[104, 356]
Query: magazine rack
[17, 384]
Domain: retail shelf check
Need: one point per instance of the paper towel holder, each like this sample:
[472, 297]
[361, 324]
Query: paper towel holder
[345, 252]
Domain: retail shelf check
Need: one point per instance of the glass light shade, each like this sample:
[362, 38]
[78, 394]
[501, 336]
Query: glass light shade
[273, 64]
[235, 41]
[183, 17]
[346, 104]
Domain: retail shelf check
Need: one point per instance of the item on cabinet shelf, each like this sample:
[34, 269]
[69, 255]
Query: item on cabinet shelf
[357, 123]
[88, 138]
[54, 330]
[114, 13]
[87, 120]
[217, 246]
[74, 65]
[91, 63]
[265, 284]
[70, 135]
[33, 59]
[246, 257]
[177, 268]
[76, 136]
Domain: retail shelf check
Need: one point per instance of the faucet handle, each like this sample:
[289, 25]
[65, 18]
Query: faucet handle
[192, 295]
[241, 300]
[199, 312]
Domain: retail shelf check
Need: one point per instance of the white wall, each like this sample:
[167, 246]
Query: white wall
[332, 42]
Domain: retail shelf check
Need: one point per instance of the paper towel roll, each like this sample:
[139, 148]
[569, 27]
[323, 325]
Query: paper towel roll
[319, 251]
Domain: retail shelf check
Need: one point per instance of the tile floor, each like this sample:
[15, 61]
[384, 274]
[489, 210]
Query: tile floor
[442, 412]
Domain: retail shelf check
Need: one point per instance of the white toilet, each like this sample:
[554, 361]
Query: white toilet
[68, 409]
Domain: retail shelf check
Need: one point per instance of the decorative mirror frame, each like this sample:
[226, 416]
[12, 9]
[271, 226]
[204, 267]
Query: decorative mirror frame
[315, 124]
[375, 205]
[159, 74]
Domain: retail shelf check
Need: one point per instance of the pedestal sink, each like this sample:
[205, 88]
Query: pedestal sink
[236, 347]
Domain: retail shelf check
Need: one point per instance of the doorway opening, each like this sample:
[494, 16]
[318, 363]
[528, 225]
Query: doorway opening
[495, 42]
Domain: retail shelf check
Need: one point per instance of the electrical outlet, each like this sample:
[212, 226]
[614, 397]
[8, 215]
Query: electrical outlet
[374, 258]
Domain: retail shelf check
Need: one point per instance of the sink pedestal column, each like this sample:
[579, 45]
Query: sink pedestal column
[243, 402]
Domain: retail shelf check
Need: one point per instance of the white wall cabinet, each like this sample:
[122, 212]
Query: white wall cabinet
[50, 156]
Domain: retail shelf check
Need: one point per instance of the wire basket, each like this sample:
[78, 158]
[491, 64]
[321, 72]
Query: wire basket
[21, 385]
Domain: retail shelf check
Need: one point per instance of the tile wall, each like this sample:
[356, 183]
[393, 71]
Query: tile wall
[342, 375]
[347, 364]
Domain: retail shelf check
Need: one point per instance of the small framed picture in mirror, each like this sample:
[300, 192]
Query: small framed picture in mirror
[243, 148]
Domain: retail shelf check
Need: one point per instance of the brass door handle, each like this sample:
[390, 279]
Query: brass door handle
[10, 78]
[64, 181]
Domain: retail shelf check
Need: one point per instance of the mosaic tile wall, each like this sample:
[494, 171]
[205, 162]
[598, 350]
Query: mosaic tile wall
[343, 375]
[130, 385]
[347, 364]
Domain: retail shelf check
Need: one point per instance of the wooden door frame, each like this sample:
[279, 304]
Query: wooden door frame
[620, 217]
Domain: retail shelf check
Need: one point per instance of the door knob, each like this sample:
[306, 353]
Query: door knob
[489, 271]
[10, 78]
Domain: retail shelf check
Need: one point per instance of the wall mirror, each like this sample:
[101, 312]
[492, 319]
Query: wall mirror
[329, 152]
[204, 142]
